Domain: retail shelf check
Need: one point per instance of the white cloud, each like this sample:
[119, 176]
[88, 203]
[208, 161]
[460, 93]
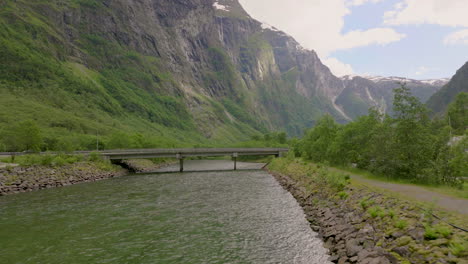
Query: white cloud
[441, 12]
[337, 67]
[318, 24]
[359, 38]
[457, 37]
[361, 2]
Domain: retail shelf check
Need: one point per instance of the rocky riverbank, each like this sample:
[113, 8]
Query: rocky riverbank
[359, 225]
[32, 178]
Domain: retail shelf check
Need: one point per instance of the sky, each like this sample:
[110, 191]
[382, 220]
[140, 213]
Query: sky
[419, 39]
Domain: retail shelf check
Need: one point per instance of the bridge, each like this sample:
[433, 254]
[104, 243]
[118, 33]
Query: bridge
[180, 154]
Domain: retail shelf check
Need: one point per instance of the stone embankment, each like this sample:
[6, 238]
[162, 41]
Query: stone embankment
[354, 236]
[32, 178]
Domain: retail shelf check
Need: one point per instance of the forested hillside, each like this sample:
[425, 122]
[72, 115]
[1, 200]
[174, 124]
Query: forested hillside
[406, 146]
[459, 83]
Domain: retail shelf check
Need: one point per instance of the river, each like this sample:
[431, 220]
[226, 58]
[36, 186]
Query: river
[197, 217]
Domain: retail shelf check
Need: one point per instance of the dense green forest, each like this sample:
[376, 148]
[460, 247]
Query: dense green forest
[408, 145]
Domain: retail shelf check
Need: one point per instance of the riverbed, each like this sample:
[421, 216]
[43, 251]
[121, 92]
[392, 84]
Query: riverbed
[196, 217]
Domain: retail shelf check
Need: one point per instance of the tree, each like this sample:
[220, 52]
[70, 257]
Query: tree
[23, 136]
[457, 113]
[318, 140]
[412, 139]
[352, 142]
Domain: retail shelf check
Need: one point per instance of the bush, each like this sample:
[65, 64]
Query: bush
[94, 156]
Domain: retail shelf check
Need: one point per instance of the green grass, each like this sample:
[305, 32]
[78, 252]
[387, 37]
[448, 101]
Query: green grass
[451, 191]
[343, 195]
[437, 231]
[376, 211]
[459, 249]
[401, 224]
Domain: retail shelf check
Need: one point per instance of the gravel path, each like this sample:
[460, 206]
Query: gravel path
[443, 201]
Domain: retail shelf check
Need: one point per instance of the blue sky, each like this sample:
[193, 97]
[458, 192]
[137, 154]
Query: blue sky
[420, 39]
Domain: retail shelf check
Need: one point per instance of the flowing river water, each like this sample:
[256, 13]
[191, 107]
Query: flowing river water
[197, 217]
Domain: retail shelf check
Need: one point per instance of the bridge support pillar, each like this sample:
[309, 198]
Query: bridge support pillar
[181, 162]
[234, 157]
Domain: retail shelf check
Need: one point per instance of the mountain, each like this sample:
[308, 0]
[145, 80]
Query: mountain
[161, 73]
[459, 83]
[362, 92]
[181, 70]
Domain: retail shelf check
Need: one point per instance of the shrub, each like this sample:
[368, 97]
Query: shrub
[59, 161]
[94, 156]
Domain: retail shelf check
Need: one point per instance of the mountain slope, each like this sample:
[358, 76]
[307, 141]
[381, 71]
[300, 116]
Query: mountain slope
[459, 83]
[193, 71]
[361, 93]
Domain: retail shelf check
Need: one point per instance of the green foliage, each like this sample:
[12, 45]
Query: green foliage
[25, 135]
[343, 195]
[320, 138]
[457, 113]
[407, 146]
[439, 230]
[391, 213]
[430, 233]
[443, 230]
[48, 160]
[94, 156]
[459, 249]
[366, 202]
[376, 211]
[401, 224]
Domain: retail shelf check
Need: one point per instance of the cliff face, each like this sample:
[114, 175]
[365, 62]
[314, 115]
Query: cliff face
[195, 65]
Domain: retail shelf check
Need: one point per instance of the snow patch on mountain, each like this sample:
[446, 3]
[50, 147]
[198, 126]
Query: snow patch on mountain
[376, 79]
[220, 7]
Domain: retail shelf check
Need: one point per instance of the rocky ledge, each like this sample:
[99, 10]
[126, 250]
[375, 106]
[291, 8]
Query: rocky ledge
[24, 179]
[354, 236]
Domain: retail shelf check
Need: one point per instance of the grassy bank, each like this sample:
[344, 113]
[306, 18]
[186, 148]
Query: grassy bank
[405, 229]
[457, 192]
